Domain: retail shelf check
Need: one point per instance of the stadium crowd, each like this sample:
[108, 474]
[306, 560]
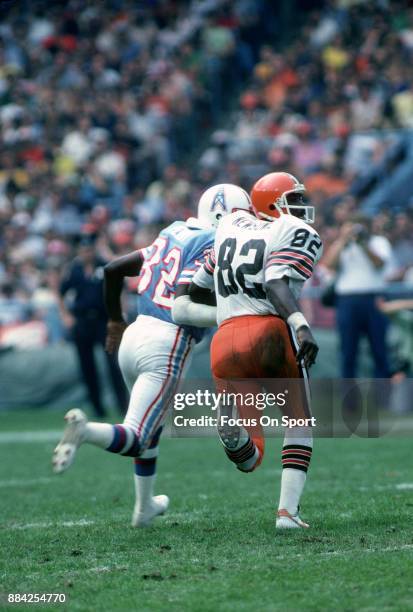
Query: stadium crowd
[98, 103]
[103, 108]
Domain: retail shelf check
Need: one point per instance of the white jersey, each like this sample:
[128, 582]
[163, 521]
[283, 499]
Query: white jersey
[248, 252]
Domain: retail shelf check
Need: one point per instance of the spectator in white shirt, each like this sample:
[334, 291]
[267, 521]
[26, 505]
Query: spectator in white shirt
[360, 261]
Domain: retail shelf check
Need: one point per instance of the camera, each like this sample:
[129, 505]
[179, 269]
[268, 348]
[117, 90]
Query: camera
[360, 232]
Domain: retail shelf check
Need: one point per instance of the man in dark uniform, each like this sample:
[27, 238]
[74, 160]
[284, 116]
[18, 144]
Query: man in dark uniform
[83, 313]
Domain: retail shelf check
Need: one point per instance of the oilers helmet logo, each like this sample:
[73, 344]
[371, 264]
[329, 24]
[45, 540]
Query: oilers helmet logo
[218, 202]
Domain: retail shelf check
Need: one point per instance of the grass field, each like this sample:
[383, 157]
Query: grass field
[217, 548]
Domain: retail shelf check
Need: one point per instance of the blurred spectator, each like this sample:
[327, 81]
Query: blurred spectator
[84, 316]
[403, 107]
[45, 305]
[14, 308]
[99, 107]
[401, 351]
[402, 240]
[366, 109]
[167, 198]
[360, 261]
[328, 180]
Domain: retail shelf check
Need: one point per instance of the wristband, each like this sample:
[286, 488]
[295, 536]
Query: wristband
[297, 320]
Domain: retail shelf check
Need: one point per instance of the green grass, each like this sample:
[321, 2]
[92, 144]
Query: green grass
[217, 548]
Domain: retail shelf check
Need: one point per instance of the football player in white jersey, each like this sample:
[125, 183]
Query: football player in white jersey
[257, 268]
[154, 352]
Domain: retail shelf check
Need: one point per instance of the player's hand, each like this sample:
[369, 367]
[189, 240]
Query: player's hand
[114, 333]
[308, 347]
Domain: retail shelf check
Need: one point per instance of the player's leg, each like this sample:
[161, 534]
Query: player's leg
[296, 456]
[147, 505]
[79, 430]
[139, 347]
[298, 441]
[161, 363]
[149, 398]
[152, 357]
[148, 402]
[232, 360]
[118, 439]
[113, 438]
[243, 442]
[272, 352]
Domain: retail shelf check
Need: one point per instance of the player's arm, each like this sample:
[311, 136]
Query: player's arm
[293, 255]
[114, 274]
[285, 303]
[192, 306]
[194, 303]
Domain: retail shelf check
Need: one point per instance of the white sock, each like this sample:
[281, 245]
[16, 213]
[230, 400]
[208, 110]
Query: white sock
[292, 485]
[144, 486]
[297, 450]
[99, 434]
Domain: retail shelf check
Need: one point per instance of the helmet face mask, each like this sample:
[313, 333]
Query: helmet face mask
[296, 205]
[280, 193]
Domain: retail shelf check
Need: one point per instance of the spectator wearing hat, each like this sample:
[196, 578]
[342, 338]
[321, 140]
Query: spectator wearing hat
[84, 315]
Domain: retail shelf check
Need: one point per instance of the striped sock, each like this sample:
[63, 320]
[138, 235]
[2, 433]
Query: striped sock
[246, 457]
[113, 438]
[145, 473]
[296, 456]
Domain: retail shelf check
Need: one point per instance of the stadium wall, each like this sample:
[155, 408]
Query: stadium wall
[48, 377]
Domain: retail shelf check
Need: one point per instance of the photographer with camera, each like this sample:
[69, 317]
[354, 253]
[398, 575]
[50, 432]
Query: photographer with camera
[359, 260]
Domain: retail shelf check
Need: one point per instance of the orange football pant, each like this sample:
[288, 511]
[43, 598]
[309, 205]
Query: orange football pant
[251, 353]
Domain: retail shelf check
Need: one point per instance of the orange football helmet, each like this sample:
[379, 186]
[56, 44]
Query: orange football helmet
[280, 193]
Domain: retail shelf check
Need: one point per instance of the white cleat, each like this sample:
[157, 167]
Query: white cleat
[285, 520]
[72, 438]
[158, 506]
